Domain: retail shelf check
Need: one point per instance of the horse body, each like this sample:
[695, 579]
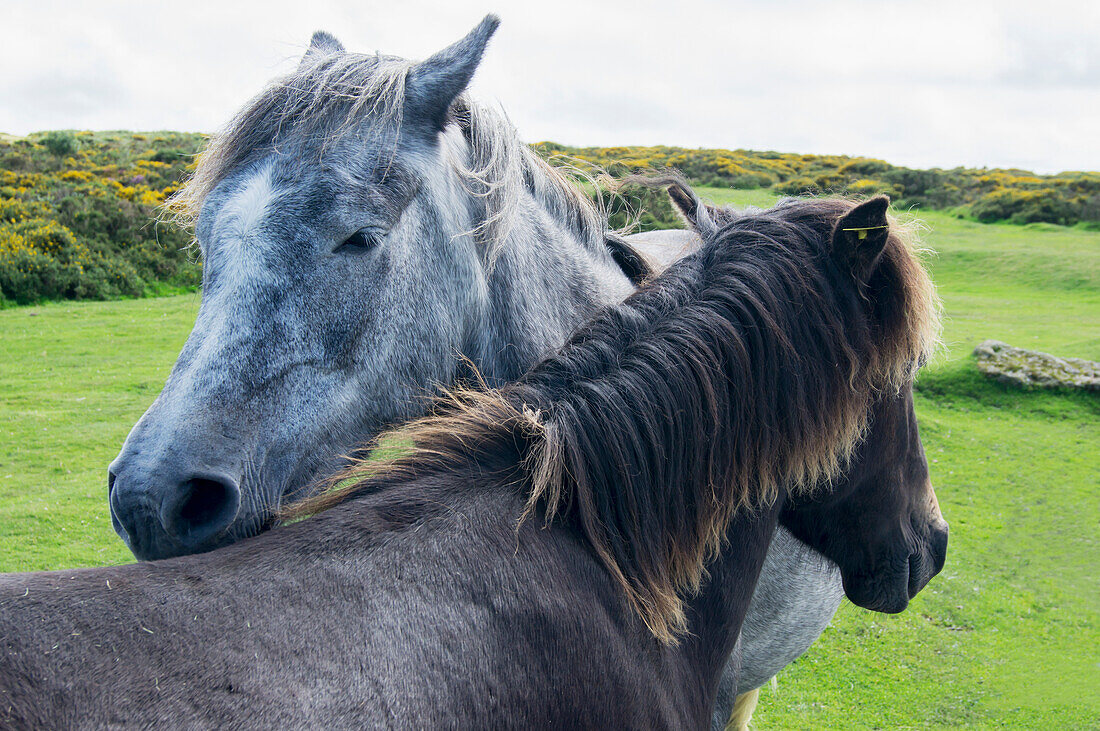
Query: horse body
[665, 246]
[355, 619]
[337, 294]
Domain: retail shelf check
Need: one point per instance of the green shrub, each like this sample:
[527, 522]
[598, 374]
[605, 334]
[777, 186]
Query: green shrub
[170, 155]
[749, 181]
[798, 186]
[1024, 206]
[865, 168]
[866, 187]
[29, 276]
[60, 144]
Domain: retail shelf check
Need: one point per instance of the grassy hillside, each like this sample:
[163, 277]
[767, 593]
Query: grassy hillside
[988, 195]
[77, 208]
[1007, 636]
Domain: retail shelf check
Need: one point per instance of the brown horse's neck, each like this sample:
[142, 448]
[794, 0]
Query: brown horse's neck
[716, 614]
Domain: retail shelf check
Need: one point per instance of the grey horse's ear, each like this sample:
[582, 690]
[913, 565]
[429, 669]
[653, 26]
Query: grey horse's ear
[860, 237]
[695, 213]
[435, 82]
[685, 203]
[321, 44]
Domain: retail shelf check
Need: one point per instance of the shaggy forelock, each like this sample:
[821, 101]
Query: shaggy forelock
[313, 106]
[906, 310]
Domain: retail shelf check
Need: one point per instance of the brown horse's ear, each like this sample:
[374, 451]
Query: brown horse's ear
[860, 237]
[321, 44]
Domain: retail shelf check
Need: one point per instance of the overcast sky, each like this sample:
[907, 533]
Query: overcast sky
[934, 83]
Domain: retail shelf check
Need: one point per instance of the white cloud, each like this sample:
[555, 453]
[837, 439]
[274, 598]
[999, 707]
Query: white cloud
[917, 83]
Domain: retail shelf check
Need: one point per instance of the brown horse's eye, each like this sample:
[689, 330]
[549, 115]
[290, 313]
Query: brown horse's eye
[358, 242]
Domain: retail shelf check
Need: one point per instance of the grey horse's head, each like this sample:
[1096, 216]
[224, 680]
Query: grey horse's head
[342, 276]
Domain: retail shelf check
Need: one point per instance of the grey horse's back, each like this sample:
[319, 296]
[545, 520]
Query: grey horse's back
[662, 248]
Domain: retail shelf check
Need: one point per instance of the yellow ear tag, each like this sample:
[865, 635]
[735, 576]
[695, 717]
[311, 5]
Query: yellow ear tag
[863, 231]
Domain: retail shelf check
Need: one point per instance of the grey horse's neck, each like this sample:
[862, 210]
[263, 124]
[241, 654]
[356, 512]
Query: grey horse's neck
[551, 272]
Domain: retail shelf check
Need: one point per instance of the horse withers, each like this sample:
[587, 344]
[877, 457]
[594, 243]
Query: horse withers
[539, 555]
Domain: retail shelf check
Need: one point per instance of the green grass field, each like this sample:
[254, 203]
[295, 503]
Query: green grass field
[1007, 636]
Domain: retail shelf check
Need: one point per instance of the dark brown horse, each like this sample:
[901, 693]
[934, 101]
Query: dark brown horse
[575, 549]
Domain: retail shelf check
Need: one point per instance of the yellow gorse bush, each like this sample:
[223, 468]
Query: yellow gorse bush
[76, 213]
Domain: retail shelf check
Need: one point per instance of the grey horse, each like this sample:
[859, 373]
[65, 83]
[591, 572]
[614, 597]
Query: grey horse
[369, 232]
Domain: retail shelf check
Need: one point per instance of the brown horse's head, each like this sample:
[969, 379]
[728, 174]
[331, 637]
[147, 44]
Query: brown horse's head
[880, 522]
[878, 519]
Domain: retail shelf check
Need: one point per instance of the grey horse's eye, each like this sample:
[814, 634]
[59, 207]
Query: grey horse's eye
[359, 241]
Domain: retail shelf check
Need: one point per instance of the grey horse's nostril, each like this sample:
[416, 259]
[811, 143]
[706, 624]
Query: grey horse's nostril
[111, 477]
[204, 509]
[206, 500]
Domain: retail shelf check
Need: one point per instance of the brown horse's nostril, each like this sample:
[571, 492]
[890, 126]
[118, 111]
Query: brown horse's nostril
[204, 508]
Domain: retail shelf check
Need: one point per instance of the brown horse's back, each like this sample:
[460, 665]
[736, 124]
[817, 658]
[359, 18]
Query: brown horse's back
[297, 629]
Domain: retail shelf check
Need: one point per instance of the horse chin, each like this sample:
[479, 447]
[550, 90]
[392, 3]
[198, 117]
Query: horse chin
[159, 545]
[886, 594]
[164, 547]
[929, 559]
[888, 586]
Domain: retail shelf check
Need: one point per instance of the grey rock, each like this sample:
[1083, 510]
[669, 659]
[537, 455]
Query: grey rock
[1030, 368]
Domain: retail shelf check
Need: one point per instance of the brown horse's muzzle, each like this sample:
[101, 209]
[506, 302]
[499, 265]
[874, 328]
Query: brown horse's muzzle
[899, 571]
[931, 559]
